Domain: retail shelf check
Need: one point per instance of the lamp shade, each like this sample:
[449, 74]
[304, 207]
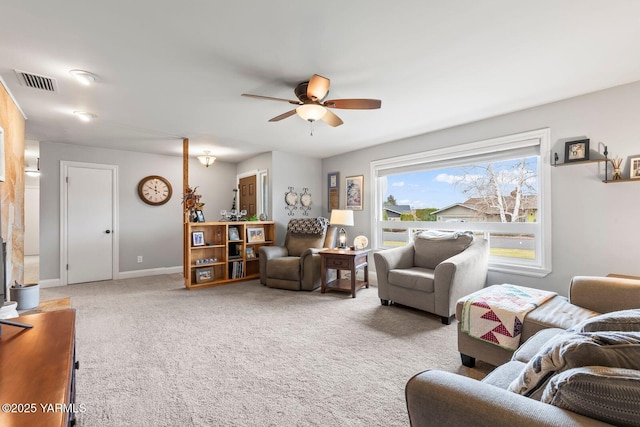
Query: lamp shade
[341, 217]
[311, 112]
[206, 160]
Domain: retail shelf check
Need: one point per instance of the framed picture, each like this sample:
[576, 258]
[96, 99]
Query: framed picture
[255, 234]
[355, 190]
[197, 238]
[250, 253]
[634, 164]
[199, 216]
[233, 233]
[204, 274]
[576, 151]
[333, 184]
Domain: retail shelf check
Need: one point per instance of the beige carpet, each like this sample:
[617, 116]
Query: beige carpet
[154, 354]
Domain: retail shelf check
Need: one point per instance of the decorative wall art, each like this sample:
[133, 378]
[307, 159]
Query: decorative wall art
[291, 200]
[355, 190]
[333, 180]
[634, 164]
[576, 151]
[305, 201]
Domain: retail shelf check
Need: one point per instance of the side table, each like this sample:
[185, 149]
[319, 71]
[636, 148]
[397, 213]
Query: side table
[344, 259]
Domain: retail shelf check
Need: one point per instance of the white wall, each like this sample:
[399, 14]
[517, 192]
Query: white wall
[595, 226]
[32, 220]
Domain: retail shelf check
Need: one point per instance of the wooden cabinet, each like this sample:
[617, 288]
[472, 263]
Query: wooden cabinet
[218, 253]
[37, 371]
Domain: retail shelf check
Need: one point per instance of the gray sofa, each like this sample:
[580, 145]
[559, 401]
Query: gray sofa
[588, 297]
[582, 388]
[432, 273]
[296, 265]
[586, 377]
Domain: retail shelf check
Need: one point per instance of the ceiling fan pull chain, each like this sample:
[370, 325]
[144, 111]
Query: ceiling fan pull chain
[311, 121]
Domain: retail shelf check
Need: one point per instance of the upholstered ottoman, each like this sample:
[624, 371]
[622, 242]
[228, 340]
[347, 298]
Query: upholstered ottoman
[556, 312]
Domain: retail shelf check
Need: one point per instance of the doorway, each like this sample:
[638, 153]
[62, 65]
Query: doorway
[89, 239]
[248, 195]
[253, 191]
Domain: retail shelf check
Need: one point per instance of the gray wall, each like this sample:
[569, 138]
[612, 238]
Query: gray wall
[291, 170]
[595, 227]
[155, 232]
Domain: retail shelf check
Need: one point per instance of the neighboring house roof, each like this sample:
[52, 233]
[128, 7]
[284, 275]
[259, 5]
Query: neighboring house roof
[397, 209]
[480, 205]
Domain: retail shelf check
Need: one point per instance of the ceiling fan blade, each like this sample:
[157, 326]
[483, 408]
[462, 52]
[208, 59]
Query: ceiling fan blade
[354, 104]
[270, 98]
[318, 87]
[331, 119]
[283, 116]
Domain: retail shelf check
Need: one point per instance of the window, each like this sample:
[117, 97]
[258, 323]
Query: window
[497, 188]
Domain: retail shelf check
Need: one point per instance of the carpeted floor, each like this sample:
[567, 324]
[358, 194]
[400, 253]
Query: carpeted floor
[154, 354]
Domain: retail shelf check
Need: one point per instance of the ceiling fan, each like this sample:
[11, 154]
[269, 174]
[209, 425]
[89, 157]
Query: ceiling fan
[312, 105]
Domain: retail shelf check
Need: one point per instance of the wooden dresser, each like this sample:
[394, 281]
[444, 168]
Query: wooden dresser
[37, 371]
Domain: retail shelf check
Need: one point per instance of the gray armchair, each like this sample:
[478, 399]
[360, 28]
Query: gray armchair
[432, 272]
[296, 265]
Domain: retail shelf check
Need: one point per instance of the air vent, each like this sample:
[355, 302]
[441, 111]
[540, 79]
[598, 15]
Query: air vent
[37, 81]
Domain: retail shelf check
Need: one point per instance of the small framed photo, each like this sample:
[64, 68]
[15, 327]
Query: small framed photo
[199, 216]
[197, 238]
[255, 234]
[250, 253]
[634, 165]
[204, 274]
[576, 151]
[355, 190]
[233, 233]
[333, 185]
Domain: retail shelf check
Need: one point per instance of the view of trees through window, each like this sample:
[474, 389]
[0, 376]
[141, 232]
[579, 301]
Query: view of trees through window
[494, 192]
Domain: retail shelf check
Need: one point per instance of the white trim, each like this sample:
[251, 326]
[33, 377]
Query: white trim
[64, 168]
[149, 272]
[13, 98]
[50, 283]
[542, 229]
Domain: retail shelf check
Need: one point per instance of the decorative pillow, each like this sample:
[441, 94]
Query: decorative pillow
[433, 247]
[623, 320]
[577, 349]
[607, 394]
[308, 225]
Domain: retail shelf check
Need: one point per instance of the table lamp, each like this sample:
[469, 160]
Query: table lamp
[341, 217]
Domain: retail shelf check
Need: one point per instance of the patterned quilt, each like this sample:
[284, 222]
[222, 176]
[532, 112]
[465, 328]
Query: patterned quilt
[496, 314]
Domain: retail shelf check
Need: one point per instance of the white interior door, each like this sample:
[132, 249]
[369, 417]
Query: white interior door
[90, 224]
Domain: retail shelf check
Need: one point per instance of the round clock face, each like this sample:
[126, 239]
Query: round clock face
[291, 198]
[360, 242]
[305, 200]
[154, 190]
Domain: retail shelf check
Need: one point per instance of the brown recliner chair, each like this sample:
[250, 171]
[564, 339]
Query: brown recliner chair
[296, 265]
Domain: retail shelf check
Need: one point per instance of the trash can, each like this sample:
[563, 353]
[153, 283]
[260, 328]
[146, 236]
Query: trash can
[27, 297]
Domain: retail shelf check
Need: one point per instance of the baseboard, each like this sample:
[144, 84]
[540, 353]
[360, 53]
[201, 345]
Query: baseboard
[52, 283]
[148, 272]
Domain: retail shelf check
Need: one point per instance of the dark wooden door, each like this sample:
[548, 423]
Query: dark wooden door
[248, 197]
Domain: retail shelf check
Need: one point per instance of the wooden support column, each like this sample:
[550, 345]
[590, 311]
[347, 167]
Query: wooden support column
[186, 245]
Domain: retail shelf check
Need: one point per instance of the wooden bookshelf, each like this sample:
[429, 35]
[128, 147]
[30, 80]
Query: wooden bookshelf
[224, 252]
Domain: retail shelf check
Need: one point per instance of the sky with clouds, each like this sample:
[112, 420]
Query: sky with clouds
[443, 187]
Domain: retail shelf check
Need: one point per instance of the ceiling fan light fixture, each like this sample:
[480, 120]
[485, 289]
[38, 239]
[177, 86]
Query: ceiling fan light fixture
[311, 112]
[84, 77]
[84, 116]
[206, 159]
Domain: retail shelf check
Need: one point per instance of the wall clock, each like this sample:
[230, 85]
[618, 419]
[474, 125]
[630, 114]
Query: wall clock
[305, 201]
[291, 199]
[154, 190]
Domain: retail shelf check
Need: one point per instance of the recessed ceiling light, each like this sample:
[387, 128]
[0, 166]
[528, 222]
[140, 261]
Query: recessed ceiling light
[84, 77]
[84, 116]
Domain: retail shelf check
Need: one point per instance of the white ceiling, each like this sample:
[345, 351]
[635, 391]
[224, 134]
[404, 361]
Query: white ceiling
[171, 69]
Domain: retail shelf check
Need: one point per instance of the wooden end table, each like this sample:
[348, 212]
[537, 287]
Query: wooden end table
[344, 259]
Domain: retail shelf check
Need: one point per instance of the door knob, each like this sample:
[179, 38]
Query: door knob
[108, 231]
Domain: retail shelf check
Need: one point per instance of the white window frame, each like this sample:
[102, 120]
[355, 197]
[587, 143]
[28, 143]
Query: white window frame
[541, 228]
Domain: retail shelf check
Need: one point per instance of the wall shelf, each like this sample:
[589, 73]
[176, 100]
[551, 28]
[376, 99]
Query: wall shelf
[605, 159]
